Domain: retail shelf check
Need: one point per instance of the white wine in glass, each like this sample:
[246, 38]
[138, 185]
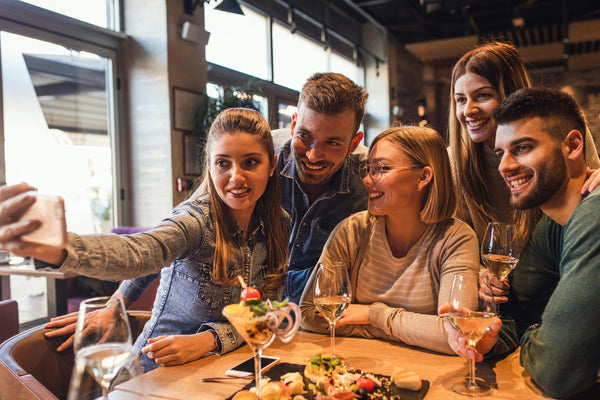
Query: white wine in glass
[500, 248]
[102, 343]
[473, 319]
[332, 294]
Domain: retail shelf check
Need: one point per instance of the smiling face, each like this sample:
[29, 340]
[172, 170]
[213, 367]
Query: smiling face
[397, 191]
[320, 143]
[532, 163]
[239, 168]
[475, 100]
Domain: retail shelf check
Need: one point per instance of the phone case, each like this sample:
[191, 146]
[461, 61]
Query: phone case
[245, 369]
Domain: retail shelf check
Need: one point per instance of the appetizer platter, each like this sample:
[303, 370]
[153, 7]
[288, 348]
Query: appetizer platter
[323, 378]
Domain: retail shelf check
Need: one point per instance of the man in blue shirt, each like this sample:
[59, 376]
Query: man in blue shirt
[319, 169]
[553, 304]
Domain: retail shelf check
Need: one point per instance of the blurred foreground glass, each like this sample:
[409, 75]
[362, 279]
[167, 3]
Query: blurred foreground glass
[473, 322]
[103, 349]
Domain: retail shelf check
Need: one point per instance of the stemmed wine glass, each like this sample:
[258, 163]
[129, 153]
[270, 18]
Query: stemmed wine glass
[260, 331]
[472, 318]
[332, 294]
[500, 248]
[102, 343]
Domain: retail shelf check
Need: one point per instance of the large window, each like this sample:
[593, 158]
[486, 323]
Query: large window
[237, 41]
[56, 126]
[240, 46]
[295, 58]
[59, 110]
[98, 12]
[59, 117]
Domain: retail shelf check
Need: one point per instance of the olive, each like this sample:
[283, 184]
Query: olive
[362, 392]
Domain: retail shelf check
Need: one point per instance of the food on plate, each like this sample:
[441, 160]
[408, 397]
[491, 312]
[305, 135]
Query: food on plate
[330, 380]
[321, 365]
[245, 395]
[294, 382]
[406, 379]
[275, 390]
[366, 383]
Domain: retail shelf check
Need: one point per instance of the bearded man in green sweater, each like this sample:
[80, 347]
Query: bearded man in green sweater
[553, 308]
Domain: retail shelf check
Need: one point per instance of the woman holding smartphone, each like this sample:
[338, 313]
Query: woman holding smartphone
[235, 227]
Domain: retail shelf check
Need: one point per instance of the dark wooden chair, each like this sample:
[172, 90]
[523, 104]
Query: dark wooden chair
[9, 315]
[31, 368]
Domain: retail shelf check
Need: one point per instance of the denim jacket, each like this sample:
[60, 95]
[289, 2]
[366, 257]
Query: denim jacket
[187, 300]
[312, 223]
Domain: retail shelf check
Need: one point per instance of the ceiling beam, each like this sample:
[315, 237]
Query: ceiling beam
[584, 31]
[543, 52]
[444, 48]
[580, 61]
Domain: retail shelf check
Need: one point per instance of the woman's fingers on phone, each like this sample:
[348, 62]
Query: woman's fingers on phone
[13, 206]
[10, 191]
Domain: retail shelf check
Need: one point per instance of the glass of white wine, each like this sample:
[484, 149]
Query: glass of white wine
[500, 248]
[472, 318]
[102, 344]
[332, 294]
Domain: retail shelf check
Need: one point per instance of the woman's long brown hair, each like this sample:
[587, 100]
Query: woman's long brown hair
[230, 122]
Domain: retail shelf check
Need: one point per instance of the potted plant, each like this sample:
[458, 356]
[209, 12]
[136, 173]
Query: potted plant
[230, 96]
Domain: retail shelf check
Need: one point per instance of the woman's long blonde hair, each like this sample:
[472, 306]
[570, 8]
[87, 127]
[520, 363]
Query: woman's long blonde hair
[502, 65]
[230, 122]
[425, 147]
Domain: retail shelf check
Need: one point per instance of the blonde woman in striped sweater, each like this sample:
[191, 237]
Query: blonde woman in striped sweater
[403, 252]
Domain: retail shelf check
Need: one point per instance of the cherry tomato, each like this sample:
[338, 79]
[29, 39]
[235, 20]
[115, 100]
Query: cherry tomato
[366, 383]
[250, 293]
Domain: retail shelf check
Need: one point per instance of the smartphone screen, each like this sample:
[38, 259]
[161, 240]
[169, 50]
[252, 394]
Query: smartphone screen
[246, 368]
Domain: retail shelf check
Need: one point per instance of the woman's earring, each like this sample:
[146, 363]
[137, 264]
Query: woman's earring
[271, 174]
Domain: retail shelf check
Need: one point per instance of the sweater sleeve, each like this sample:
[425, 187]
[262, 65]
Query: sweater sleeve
[344, 244]
[456, 252]
[119, 257]
[562, 355]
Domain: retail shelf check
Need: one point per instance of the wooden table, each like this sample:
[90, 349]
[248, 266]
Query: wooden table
[56, 286]
[183, 382]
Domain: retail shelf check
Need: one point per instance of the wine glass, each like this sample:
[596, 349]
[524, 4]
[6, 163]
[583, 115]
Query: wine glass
[332, 294]
[260, 331]
[472, 318]
[102, 343]
[500, 248]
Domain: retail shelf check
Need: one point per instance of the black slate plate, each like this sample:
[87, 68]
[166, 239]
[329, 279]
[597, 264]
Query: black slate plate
[282, 368]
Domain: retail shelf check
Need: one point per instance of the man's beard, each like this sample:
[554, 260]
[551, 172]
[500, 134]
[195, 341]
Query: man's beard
[549, 182]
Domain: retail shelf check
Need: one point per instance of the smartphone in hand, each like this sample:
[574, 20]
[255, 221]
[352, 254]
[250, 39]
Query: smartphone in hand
[245, 369]
[50, 211]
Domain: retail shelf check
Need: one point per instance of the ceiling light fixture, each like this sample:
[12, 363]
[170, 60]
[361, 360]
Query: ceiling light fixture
[231, 6]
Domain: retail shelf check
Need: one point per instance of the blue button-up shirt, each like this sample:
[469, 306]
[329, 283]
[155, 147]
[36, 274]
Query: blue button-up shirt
[312, 223]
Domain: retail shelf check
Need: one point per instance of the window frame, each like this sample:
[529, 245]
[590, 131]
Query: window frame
[37, 23]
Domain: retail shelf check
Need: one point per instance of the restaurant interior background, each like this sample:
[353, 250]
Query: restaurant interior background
[97, 97]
